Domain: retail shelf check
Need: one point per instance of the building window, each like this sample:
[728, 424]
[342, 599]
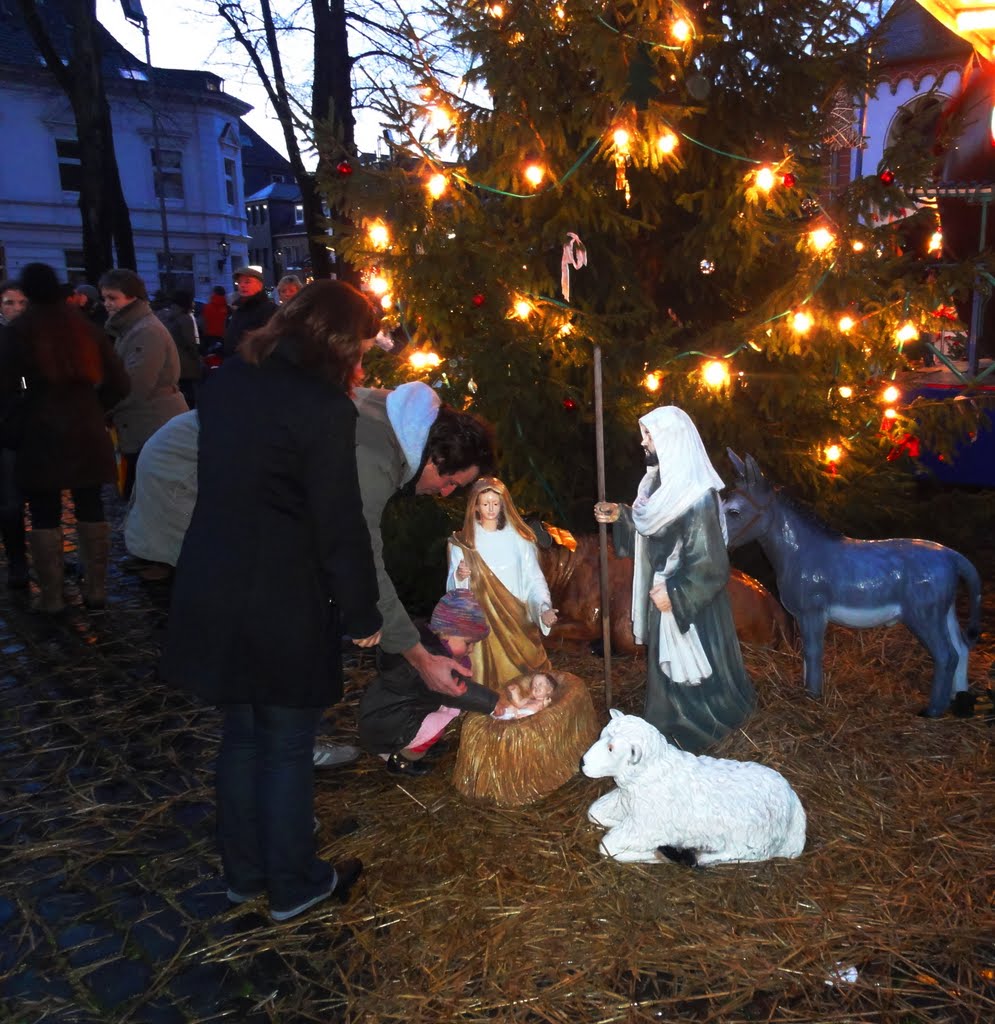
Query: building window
[70, 172]
[169, 179]
[277, 179]
[299, 213]
[262, 213]
[75, 271]
[230, 181]
[182, 271]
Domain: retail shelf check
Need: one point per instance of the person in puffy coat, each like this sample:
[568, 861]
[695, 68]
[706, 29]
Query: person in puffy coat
[71, 377]
[276, 567]
[149, 355]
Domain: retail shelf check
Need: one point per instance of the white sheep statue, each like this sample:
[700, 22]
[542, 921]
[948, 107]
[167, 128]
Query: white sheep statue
[673, 806]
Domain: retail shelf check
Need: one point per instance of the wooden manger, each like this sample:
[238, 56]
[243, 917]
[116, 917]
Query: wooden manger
[516, 762]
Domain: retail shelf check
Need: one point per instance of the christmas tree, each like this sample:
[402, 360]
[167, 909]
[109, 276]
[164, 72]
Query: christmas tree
[648, 178]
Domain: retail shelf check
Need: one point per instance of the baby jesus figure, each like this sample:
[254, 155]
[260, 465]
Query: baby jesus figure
[517, 704]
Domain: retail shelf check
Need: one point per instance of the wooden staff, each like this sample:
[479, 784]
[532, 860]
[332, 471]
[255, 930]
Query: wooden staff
[599, 444]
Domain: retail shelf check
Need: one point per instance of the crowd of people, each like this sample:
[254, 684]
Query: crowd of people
[262, 487]
[87, 375]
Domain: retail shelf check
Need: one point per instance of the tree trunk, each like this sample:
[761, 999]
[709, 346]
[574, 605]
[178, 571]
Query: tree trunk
[104, 215]
[331, 101]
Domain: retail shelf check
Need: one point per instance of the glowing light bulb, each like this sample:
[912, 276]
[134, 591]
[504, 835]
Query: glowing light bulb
[833, 453]
[681, 30]
[845, 391]
[765, 179]
[565, 330]
[560, 11]
[436, 185]
[534, 174]
[621, 139]
[423, 360]
[907, 332]
[715, 374]
[935, 242]
[667, 143]
[523, 309]
[802, 321]
[386, 302]
[379, 235]
[890, 414]
[846, 323]
[496, 11]
[821, 239]
[890, 394]
[858, 246]
[440, 118]
[652, 381]
[379, 284]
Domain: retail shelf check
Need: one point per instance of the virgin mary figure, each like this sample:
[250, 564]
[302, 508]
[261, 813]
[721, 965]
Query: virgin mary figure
[495, 556]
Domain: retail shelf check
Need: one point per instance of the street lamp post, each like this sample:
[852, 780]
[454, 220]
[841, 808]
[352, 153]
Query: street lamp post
[133, 12]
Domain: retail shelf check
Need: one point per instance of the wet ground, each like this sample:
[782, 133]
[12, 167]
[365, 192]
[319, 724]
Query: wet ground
[110, 892]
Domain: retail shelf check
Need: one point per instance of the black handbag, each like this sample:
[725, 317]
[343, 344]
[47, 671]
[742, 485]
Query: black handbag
[13, 417]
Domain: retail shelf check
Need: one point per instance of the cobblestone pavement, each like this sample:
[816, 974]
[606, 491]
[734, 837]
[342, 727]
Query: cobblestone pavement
[111, 904]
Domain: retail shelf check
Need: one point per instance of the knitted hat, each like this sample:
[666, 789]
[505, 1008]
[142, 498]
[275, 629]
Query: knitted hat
[459, 614]
[249, 272]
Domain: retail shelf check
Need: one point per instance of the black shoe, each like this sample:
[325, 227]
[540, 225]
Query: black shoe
[346, 873]
[400, 765]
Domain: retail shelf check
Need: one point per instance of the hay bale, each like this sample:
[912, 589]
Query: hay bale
[513, 763]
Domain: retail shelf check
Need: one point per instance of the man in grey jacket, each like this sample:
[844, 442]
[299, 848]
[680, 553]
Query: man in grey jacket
[407, 441]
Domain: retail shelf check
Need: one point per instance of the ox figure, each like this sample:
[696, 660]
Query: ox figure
[825, 577]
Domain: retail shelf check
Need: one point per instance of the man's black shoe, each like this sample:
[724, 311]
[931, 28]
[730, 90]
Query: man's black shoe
[400, 765]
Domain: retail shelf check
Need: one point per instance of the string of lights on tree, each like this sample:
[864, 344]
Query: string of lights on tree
[625, 143]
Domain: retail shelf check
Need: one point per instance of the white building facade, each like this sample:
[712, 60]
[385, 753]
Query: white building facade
[198, 138]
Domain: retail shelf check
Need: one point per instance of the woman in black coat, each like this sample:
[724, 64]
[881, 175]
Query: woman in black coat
[71, 378]
[275, 568]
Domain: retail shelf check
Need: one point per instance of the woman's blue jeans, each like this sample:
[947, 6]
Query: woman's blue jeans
[265, 787]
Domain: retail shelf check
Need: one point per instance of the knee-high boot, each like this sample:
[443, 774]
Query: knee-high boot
[46, 556]
[94, 550]
[15, 544]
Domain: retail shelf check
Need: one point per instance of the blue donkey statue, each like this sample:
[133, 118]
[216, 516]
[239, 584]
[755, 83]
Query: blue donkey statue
[825, 577]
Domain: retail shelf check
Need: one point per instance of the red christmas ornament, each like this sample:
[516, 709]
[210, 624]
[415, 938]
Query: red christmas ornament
[569, 404]
[343, 168]
[789, 180]
[887, 176]
[478, 299]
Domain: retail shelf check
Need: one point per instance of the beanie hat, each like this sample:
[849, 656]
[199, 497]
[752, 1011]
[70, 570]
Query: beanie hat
[459, 614]
[91, 293]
